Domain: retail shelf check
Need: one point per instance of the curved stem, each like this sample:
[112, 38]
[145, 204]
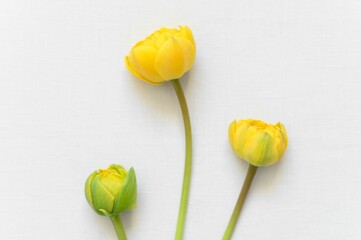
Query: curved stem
[118, 225]
[242, 197]
[188, 160]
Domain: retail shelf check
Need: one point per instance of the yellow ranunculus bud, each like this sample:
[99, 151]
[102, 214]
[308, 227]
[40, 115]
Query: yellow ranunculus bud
[257, 142]
[111, 191]
[165, 55]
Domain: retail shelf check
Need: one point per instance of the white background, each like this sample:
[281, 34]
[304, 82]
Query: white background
[68, 106]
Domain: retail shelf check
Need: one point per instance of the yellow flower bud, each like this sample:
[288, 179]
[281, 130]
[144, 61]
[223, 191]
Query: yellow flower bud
[111, 191]
[257, 142]
[164, 55]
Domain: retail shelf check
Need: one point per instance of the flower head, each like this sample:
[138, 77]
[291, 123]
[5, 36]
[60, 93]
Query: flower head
[164, 55]
[257, 142]
[111, 191]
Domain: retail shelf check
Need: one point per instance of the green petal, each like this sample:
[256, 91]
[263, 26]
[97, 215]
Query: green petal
[127, 198]
[102, 198]
[87, 188]
[262, 150]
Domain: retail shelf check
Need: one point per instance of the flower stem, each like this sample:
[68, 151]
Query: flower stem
[242, 197]
[118, 225]
[188, 160]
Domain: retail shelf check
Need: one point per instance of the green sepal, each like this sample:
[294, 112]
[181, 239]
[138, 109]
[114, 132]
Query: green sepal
[103, 212]
[127, 198]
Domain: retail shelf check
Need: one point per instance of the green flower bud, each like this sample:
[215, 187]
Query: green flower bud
[111, 191]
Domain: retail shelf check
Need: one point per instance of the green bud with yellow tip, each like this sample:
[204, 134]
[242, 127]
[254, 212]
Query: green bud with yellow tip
[112, 191]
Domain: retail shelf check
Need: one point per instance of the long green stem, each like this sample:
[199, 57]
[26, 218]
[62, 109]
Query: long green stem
[242, 197]
[188, 160]
[118, 225]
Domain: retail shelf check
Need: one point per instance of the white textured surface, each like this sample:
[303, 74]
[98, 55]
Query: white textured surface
[69, 106]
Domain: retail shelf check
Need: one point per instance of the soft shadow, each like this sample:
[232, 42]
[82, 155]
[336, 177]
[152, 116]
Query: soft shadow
[161, 98]
[268, 177]
[243, 165]
[105, 226]
[128, 219]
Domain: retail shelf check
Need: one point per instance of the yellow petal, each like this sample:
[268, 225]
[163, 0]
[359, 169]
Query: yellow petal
[247, 142]
[142, 59]
[231, 130]
[161, 39]
[187, 33]
[135, 73]
[113, 183]
[189, 52]
[282, 139]
[169, 62]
